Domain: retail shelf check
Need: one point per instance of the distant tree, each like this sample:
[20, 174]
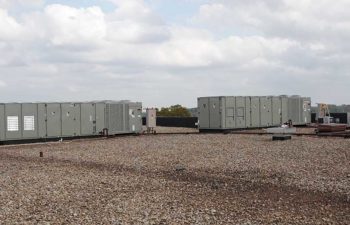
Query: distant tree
[174, 111]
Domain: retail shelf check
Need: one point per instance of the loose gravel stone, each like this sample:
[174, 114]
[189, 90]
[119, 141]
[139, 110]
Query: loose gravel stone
[228, 179]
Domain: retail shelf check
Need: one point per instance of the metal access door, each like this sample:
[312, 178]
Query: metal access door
[116, 118]
[42, 120]
[230, 118]
[70, 119]
[276, 111]
[306, 110]
[53, 113]
[135, 120]
[294, 106]
[284, 115]
[255, 111]
[88, 119]
[240, 112]
[214, 113]
[265, 112]
[126, 118]
[100, 117]
[203, 113]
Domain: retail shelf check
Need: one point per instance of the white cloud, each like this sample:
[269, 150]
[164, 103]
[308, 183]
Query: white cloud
[134, 22]
[300, 20]
[13, 3]
[10, 29]
[71, 26]
[2, 84]
[230, 47]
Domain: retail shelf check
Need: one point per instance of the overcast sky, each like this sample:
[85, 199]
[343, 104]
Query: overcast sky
[163, 52]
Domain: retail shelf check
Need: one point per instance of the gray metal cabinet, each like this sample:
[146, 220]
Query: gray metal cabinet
[123, 117]
[203, 112]
[294, 107]
[265, 112]
[115, 115]
[30, 121]
[276, 111]
[53, 117]
[230, 118]
[88, 119]
[306, 111]
[255, 111]
[284, 103]
[215, 112]
[126, 118]
[135, 113]
[42, 120]
[119, 115]
[100, 117]
[248, 115]
[70, 119]
[240, 112]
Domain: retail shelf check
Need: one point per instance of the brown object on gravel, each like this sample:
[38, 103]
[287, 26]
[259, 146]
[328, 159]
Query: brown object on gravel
[180, 179]
[333, 127]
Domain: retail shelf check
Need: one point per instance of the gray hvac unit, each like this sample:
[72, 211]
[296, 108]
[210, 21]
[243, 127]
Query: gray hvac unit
[240, 112]
[55, 120]
[123, 117]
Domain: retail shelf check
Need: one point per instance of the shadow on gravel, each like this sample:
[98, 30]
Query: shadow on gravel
[245, 184]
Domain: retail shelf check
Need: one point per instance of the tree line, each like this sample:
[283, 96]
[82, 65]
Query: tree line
[174, 111]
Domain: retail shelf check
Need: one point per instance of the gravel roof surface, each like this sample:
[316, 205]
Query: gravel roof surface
[177, 179]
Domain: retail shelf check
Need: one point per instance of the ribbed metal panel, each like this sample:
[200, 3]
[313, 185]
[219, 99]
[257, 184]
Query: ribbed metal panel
[228, 112]
[240, 112]
[2, 122]
[248, 113]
